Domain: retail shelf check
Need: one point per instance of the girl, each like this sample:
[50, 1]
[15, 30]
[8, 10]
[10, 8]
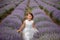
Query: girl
[28, 27]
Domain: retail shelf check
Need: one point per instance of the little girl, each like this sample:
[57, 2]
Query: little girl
[28, 27]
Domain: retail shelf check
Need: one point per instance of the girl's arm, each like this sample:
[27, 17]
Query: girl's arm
[22, 26]
[34, 25]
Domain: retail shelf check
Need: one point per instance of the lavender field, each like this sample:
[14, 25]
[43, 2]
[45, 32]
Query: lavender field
[46, 16]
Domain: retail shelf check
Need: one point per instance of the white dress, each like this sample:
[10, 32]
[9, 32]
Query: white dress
[28, 31]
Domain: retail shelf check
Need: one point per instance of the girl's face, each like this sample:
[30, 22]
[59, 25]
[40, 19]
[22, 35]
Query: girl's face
[29, 16]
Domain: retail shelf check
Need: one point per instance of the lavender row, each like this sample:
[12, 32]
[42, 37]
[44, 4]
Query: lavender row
[35, 10]
[45, 6]
[6, 9]
[52, 4]
[33, 4]
[11, 23]
[4, 3]
[15, 19]
[41, 17]
[45, 26]
[7, 33]
[23, 5]
[18, 13]
[56, 16]
[9, 5]
[48, 33]
[52, 12]
[20, 10]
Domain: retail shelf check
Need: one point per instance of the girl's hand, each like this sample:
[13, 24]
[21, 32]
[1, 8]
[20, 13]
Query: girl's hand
[36, 29]
[18, 30]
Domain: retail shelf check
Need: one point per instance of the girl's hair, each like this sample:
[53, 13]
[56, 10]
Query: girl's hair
[31, 15]
[27, 15]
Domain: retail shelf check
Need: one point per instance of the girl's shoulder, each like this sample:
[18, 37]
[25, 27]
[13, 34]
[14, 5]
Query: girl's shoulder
[33, 21]
[25, 21]
[29, 21]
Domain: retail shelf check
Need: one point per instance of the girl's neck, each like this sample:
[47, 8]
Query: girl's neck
[29, 19]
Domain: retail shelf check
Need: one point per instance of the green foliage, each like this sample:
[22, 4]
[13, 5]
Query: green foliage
[6, 13]
[58, 8]
[57, 21]
[41, 7]
[58, 2]
[46, 11]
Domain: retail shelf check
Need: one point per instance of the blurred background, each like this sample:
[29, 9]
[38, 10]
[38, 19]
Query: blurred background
[46, 16]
